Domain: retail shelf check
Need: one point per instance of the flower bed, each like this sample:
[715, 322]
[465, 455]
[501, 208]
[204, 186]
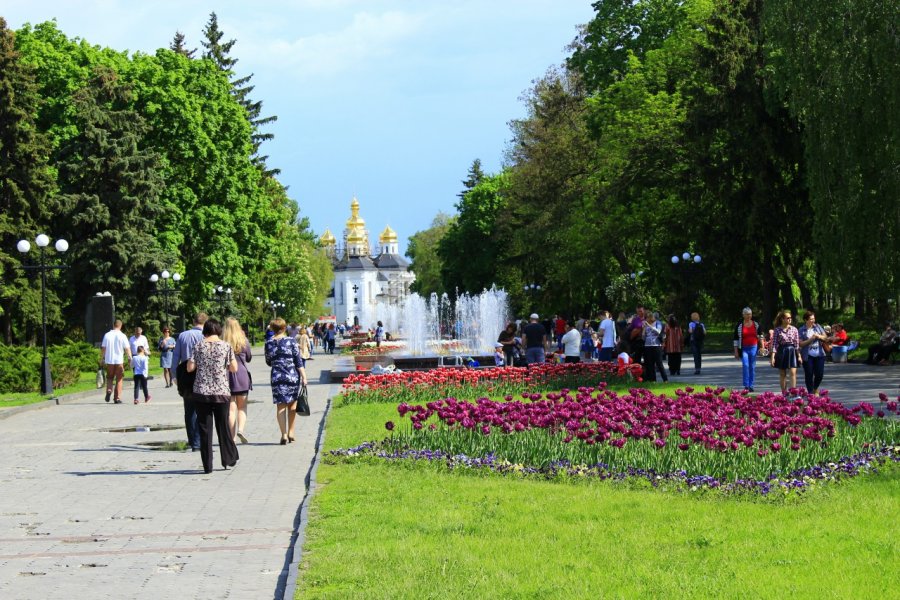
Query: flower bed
[420, 386]
[797, 481]
[369, 348]
[701, 433]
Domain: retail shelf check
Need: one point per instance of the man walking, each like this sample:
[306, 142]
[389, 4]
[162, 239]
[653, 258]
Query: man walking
[608, 335]
[184, 351]
[139, 340]
[534, 341]
[113, 349]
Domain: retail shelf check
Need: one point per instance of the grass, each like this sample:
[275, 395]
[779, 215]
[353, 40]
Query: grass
[404, 530]
[86, 382]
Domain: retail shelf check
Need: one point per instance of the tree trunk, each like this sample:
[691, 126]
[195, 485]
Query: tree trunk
[769, 293]
[805, 293]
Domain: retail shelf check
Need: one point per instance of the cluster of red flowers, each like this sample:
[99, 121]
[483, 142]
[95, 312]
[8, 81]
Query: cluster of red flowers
[597, 415]
[417, 385]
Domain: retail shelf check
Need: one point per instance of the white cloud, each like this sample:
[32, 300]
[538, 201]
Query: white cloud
[366, 39]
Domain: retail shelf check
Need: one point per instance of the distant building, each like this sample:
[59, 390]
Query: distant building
[363, 279]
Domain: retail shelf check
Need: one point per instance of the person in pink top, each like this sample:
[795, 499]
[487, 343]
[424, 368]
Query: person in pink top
[785, 355]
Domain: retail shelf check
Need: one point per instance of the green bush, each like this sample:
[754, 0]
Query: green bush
[22, 365]
[21, 369]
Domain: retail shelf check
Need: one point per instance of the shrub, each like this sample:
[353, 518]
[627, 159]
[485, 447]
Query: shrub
[22, 365]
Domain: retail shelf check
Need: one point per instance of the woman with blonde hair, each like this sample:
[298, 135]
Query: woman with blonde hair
[239, 382]
[288, 374]
[785, 353]
[303, 344]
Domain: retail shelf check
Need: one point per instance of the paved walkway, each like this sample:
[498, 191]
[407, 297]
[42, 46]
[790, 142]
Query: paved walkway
[86, 513]
[848, 383]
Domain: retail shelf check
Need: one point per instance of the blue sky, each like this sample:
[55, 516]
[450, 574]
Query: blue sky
[389, 100]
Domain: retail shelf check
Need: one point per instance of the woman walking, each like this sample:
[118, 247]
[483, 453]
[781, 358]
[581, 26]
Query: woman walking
[652, 332]
[748, 340]
[213, 359]
[812, 351]
[304, 345]
[166, 347]
[674, 345]
[239, 382]
[785, 349]
[288, 374]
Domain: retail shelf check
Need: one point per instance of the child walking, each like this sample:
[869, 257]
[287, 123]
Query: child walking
[140, 364]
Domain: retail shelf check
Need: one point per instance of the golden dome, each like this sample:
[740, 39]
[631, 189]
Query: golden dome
[355, 222]
[388, 236]
[327, 238]
[356, 237]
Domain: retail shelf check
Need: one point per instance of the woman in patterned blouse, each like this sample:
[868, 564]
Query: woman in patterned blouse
[212, 360]
[785, 355]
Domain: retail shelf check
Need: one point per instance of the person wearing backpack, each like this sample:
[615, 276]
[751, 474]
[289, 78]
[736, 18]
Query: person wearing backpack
[748, 340]
[697, 332]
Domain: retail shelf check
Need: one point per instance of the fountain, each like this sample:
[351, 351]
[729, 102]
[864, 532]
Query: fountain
[440, 333]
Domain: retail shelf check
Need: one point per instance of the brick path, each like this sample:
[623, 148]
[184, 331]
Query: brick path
[90, 514]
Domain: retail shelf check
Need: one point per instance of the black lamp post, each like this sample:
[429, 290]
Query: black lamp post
[42, 241]
[166, 291]
[689, 261]
[221, 295]
[275, 306]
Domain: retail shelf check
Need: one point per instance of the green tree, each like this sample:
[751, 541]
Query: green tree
[178, 46]
[110, 187]
[220, 53]
[422, 250]
[25, 186]
[621, 29]
[468, 250]
[836, 65]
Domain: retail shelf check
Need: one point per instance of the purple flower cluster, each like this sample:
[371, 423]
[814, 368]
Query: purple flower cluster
[795, 481]
[767, 422]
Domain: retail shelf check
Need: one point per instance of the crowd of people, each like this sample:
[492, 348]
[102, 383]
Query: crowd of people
[646, 338]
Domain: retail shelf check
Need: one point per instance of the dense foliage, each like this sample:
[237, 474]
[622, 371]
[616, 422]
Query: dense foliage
[761, 135]
[143, 163]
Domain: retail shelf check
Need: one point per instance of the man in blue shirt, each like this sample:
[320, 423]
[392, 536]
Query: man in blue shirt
[184, 351]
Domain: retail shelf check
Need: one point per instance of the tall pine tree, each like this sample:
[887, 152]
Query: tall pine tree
[219, 52]
[25, 185]
[111, 187]
[178, 46]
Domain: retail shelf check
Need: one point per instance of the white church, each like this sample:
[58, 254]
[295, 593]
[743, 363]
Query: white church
[365, 280]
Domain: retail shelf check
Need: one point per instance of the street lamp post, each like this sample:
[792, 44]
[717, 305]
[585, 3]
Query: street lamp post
[532, 290]
[61, 245]
[275, 306]
[165, 291]
[690, 261]
[221, 295]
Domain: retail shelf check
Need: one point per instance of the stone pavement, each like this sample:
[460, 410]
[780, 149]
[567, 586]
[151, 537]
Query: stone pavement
[86, 513]
[848, 383]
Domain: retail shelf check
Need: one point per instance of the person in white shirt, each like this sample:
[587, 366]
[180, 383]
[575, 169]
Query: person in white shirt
[139, 339]
[571, 341]
[608, 333]
[113, 349]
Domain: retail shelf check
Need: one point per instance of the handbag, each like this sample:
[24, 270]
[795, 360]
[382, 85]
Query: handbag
[302, 408]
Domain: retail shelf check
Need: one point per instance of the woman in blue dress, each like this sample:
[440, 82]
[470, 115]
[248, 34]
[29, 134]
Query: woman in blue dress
[288, 374]
[166, 348]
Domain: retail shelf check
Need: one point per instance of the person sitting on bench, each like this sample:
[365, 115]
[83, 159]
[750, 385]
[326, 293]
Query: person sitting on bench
[878, 353]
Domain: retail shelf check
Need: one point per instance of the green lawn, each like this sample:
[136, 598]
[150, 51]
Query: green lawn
[416, 531]
[87, 381]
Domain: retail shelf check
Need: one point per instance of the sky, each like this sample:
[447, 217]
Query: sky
[386, 100]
